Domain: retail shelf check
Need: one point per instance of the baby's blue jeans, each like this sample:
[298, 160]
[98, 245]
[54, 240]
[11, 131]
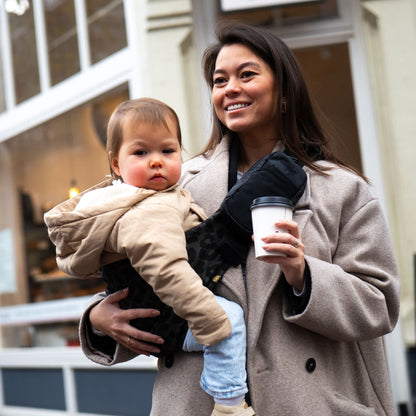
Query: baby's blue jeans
[224, 373]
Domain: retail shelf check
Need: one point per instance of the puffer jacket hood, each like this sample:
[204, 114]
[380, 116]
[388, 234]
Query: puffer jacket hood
[80, 234]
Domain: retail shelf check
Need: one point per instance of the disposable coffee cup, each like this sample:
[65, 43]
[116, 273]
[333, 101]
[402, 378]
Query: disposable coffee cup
[265, 212]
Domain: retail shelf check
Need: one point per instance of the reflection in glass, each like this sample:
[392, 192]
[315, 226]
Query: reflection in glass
[62, 40]
[106, 28]
[24, 55]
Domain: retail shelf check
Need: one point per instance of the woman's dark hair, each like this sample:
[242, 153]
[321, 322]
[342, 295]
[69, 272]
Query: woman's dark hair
[299, 129]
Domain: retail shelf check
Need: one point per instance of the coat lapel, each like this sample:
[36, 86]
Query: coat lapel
[207, 178]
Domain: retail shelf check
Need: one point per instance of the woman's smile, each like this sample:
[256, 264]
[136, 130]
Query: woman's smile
[234, 107]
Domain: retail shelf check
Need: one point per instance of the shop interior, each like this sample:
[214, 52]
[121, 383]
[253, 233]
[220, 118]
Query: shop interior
[47, 164]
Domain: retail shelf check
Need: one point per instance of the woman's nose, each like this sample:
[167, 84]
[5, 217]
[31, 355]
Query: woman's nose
[232, 87]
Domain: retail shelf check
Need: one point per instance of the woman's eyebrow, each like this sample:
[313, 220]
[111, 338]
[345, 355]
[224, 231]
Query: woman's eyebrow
[239, 68]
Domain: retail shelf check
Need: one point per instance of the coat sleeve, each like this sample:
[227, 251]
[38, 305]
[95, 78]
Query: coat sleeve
[152, 237]
[100, 349]
[355, 296]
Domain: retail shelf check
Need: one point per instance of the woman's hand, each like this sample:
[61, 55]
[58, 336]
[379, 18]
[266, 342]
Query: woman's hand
[109, 318]
[290, 245]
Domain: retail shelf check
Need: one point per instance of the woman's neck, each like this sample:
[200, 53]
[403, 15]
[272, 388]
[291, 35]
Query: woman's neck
[252, 151]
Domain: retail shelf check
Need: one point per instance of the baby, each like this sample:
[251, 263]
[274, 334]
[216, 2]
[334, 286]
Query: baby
[142, 215]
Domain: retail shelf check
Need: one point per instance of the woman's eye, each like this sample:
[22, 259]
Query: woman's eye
[247, 74]
[219, 81]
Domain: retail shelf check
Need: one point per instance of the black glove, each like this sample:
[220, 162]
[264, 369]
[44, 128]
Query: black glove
[223, 240]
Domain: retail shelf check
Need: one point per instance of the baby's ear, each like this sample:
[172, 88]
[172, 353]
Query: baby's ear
[114, 163]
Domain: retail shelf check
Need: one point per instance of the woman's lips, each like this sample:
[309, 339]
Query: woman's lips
[238, 106]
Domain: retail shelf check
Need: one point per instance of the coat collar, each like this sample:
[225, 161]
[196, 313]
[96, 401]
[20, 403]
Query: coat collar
[207, 177]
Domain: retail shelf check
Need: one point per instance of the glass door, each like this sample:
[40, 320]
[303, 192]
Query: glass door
[327, 71]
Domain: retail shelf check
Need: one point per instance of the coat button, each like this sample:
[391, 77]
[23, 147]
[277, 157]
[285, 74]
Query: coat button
[310, 365]
[169, 361]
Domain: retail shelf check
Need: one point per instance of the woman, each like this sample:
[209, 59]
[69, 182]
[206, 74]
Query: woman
[315, 318]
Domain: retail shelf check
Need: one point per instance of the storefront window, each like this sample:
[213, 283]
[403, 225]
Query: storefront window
[106, 35]
[62, 39]
[43, 164]
[106, 28]
[24, 55]
[47, 160]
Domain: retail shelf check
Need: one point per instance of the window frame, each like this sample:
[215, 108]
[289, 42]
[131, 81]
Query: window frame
[91, 81]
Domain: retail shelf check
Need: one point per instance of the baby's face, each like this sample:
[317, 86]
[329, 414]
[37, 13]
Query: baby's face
[149, 156]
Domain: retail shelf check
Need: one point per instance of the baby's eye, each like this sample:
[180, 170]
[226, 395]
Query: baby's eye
[168, 151]
[140, 152]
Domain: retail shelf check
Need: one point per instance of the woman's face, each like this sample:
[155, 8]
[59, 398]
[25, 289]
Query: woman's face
[244, 93]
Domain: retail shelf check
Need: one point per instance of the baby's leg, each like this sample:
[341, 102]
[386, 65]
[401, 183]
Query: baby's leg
[224, 373]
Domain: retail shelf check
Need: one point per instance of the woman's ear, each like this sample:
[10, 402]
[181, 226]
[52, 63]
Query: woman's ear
[284, 108]
[114, 163]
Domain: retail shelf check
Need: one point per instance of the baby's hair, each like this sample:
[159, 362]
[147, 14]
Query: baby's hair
[141, 110]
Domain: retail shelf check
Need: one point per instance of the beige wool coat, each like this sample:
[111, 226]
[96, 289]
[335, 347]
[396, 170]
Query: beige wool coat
[327, 360]
[147, 227]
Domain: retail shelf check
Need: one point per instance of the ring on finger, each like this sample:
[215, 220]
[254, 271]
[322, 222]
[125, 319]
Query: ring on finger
[128, 341]
[296, 243]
